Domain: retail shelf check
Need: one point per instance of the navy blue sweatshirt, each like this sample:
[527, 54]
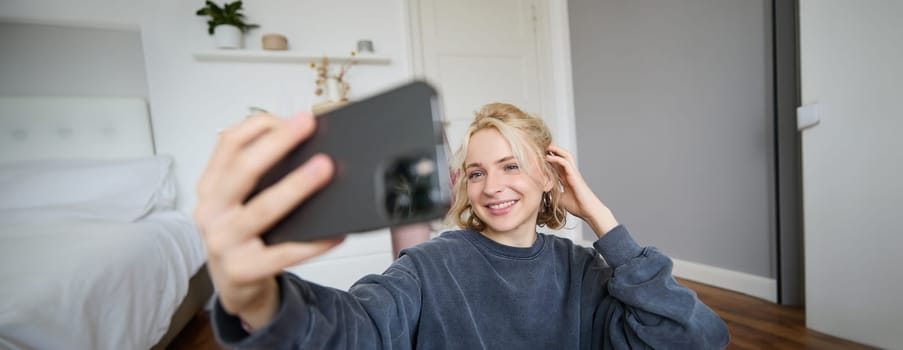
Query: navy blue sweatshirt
[462, 290]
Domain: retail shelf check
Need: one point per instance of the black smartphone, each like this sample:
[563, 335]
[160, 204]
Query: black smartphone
[391, 167]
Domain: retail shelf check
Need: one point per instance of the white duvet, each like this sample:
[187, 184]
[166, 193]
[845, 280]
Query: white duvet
[94, 284]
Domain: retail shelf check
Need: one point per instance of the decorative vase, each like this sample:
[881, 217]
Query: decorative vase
[227, 36]
[332, 90]
[323, 107]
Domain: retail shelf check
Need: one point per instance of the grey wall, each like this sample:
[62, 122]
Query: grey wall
[62, 61]
[673, 105]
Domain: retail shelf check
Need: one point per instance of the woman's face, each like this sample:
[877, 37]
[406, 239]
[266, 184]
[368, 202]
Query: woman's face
[502, 194]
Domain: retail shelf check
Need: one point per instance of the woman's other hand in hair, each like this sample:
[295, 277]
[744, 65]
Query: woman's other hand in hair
[577, 198]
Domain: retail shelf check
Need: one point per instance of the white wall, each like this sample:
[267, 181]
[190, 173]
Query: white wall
[851, 54]
[191, 100]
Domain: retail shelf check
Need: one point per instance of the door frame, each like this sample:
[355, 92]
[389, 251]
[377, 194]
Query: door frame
[788, 155]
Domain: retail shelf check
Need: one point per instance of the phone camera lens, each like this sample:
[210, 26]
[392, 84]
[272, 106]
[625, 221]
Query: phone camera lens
[409, 185]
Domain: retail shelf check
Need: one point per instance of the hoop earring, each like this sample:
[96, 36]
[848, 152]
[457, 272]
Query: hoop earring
[546, 201]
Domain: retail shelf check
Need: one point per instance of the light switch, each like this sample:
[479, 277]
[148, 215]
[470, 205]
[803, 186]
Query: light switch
[808, 116]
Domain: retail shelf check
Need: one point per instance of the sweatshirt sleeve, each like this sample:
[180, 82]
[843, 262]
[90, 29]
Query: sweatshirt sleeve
[379, 311]
[645, 307]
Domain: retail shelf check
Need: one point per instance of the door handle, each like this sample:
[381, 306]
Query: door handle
[808, 116]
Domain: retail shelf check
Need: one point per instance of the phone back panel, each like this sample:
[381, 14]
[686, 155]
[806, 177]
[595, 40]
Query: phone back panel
[390, 161]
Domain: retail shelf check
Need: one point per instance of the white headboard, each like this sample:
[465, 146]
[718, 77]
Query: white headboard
[33, 128]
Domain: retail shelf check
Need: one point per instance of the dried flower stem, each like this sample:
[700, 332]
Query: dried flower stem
[323, 74]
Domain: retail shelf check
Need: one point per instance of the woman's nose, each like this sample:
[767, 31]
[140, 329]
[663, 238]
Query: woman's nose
[494, 184]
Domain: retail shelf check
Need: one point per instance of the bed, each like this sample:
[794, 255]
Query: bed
[94, 253]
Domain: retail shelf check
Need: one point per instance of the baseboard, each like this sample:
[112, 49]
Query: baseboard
[742, 282]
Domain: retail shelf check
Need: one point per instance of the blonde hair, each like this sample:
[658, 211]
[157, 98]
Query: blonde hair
[528, 136]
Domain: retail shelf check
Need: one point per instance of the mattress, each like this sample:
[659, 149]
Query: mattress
[94, 284]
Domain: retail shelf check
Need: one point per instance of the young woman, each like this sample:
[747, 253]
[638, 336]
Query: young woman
[495, 284]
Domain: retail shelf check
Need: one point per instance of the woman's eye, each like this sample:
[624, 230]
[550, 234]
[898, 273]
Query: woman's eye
[512, 167]
[475, 175]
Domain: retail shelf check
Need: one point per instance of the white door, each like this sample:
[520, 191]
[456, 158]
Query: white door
[476, 52]
[852, 169]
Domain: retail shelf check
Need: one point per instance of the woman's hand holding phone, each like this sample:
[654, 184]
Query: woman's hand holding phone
[242, 267]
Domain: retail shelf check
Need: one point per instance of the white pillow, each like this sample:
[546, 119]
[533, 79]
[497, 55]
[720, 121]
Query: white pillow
[119, 190]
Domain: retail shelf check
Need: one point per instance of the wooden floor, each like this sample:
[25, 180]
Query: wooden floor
[758, 324]
[753, 324]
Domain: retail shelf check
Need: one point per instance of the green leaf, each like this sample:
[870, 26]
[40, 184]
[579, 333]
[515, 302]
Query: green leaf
[233, 8]
[228, 14]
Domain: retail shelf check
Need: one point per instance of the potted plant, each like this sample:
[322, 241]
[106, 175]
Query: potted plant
[226, 23]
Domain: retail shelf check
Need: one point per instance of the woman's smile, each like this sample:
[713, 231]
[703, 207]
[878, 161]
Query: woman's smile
[499, 208]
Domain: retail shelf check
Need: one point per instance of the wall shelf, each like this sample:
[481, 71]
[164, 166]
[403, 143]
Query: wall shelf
[282, 57]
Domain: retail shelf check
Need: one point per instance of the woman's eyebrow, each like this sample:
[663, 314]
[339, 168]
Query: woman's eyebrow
[478, 164]
[505, 159]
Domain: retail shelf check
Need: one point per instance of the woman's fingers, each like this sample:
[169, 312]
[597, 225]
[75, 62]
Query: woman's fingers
[259, 155]
[565, 166]
[250, 263]
[564, 159]
[223, 186]
[270, 205]
[560, 156]
[561, 152]
[231, 141]
[578, 198]
[237, 224]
